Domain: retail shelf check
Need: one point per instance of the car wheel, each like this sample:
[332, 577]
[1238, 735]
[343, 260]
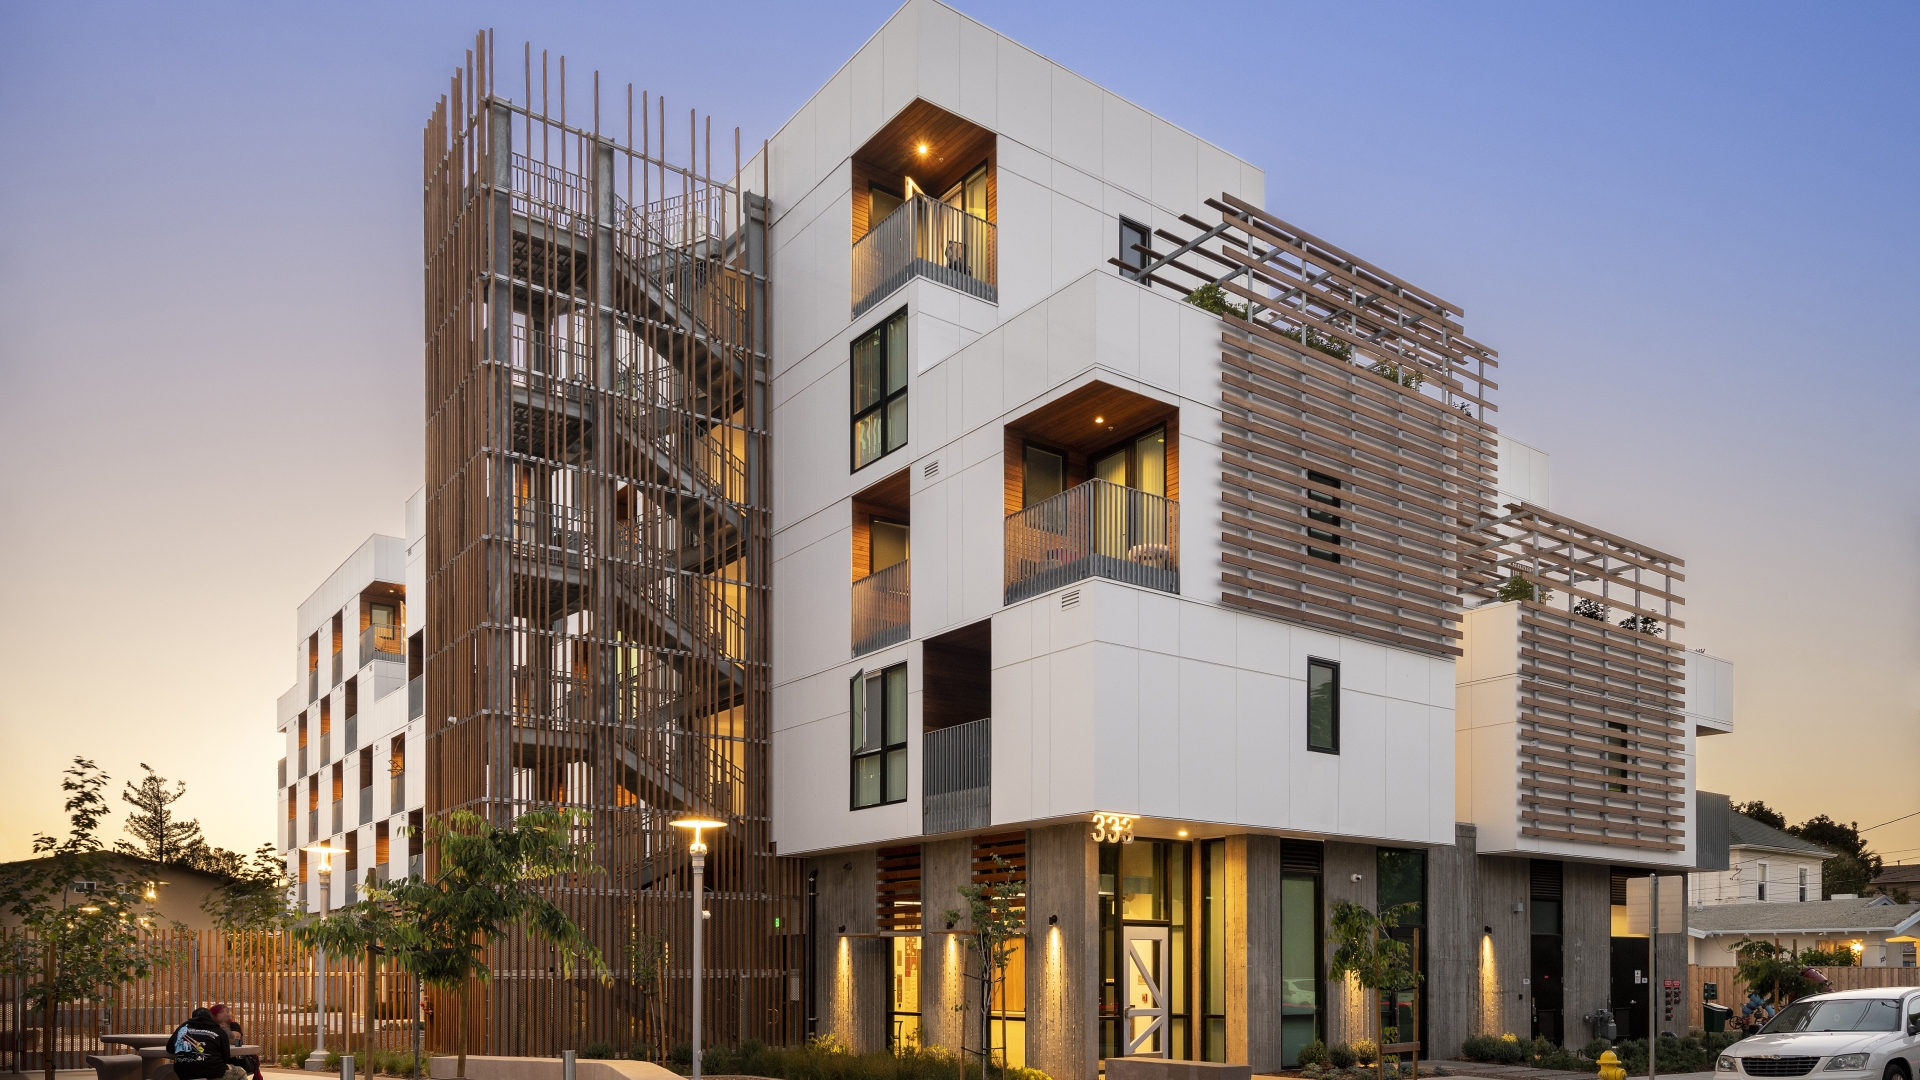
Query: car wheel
[1896, 1070]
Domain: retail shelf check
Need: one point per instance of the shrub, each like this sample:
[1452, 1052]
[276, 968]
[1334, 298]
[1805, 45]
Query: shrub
[641, 1052]
[1508, 1050]
[716, 1061]
[682, 1054]
[294, 1054]
[333, 1061]
[1595, 1048]
[1342, 1056]
[1314, 1053]
[1366, 1051]
[1211, 297]
[594, 1051]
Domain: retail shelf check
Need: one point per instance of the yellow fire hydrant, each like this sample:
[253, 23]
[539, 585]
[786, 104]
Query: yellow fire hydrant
[1610, 1067]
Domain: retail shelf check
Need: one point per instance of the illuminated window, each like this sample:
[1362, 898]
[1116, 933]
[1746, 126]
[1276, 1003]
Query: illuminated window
[879, 710]
[880, 391]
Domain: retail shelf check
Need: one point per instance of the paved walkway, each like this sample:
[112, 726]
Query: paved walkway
[1522, 1072]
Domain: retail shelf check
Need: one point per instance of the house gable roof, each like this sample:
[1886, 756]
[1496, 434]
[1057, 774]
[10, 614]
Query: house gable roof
[1743, 831]
[1814, 916]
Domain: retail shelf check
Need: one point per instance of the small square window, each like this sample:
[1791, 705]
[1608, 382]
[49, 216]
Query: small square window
[1323, 706]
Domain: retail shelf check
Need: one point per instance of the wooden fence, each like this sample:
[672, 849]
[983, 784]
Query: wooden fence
[1733, 991]
[269, 981]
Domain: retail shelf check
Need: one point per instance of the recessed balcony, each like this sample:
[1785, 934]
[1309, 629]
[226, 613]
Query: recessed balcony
[1092, 491]
[882, 608]
[882, 585]
[924, 202]
[382, 641]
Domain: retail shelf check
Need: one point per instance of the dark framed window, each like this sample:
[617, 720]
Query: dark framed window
[1324, 517]
[879, 709]
[1323, 706]
[1132, 233]
[1043, 474]
[880, 391]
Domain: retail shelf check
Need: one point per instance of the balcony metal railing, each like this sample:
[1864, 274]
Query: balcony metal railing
[416, 696]
[336, 668]
[313, 684]
[353, 734]
[326, 749]
[366, 805]
[925, 237]
[397, 793]
[416, 865]
[303, 761]
[339, 824]
[383, 641]
[881, 609]
[313, 824]
[956, 777]
[1096, 529]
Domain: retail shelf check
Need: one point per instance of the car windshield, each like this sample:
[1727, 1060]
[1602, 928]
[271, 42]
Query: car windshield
[1837, 1014]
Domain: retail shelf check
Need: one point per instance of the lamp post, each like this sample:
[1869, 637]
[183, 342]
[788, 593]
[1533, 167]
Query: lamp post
[317, 1060]
[698, 849]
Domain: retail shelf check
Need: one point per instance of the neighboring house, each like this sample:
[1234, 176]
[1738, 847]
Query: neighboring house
[1878, 931]
[352, 723]
[984, 546]
[1767, 866]
[176, 891]
[1896, 879]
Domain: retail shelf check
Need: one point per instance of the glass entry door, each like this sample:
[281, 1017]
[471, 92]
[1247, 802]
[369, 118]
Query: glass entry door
[1146, 1011]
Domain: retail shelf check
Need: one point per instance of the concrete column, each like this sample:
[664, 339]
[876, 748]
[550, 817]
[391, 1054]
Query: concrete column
[944, 866]
[852, 970]
[1252, 927]
[1063, 958]
[1586, 926]
[1347, 1015]
[1507, 954]
[1453, 943]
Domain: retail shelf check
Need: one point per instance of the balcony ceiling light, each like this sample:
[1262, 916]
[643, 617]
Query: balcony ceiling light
[922, 149]
[1099, 419]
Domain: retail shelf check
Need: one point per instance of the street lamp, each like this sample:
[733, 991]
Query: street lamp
[318, 1059]
[698, 849]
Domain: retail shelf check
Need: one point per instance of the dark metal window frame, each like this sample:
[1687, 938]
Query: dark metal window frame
[882, 406]
[856, 702]
[1136, 261]
[1333, 747]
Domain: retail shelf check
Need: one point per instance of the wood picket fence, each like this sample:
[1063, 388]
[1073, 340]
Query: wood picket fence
[1732, 991]
[269, 981]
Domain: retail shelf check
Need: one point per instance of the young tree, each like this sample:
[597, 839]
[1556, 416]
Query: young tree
[439, 929]
[1771, 969]
[1368, 952]
[1521, 588]
[84, 928]
[162, 836]
[647, 960]
[993, 922]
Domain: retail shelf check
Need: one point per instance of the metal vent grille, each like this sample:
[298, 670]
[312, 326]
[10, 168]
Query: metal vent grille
[1070, 599]
[1544, 876]
[932, 470]
[1300, 856]
[1779, 1066]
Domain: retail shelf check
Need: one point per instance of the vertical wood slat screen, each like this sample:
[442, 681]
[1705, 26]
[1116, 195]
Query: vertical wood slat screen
[267, 979]
[598, 540]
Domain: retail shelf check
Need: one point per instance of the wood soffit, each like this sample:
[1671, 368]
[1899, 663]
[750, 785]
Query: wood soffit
[954, 146]
[1068, 424]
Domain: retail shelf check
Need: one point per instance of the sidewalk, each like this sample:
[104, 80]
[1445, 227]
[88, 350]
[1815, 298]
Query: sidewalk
[1521, 1072]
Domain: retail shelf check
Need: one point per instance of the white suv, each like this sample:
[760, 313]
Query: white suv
[1851, 1035]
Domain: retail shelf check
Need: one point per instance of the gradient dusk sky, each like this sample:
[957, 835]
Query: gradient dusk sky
[1690, 229]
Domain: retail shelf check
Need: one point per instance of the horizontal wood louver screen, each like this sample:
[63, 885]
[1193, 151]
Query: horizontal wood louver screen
[898, 889]
[1602, 729]
[1011, 848]
[1357, 452]
[598, 524]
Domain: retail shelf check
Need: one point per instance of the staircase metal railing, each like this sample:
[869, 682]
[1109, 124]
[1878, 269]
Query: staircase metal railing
[1095, 529]
[882, 608]
[925, 237]
[956, 777]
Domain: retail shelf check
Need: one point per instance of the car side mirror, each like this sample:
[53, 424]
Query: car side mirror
[1913, 1024]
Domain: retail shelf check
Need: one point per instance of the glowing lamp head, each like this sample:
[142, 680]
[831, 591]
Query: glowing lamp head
[921, 149]
[698, 825]
[1857, 948]
[326, 853]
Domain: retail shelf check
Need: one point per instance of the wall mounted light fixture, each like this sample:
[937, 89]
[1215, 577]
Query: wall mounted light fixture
[1053, 920]
[1487, 930]
[843, 929]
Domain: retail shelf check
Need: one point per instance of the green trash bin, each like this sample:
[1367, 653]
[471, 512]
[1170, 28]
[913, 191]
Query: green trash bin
[1716, 1016]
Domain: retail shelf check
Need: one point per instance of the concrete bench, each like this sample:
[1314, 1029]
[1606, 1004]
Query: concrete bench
[114, 1066]
[544, 1068]
[1153, 1068]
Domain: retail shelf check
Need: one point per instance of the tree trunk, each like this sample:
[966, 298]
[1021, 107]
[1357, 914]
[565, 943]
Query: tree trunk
[460, 1069]
[49, 1005]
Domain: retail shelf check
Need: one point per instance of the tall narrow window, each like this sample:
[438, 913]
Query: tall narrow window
[1133, 236]
[1323, 706]
[879, 709]
[1762, 896]
[1803, 884]
[1324, 517]
[880, 391]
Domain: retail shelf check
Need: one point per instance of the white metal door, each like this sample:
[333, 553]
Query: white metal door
[1145, 1010]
